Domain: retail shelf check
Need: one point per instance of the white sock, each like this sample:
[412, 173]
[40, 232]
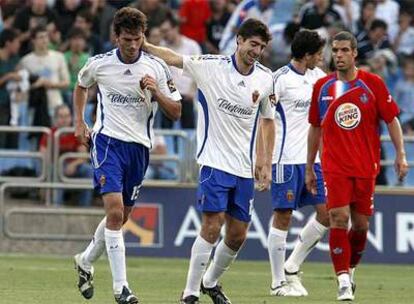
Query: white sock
[200, 254]
[308, 238]
[344, 280]
[115, 247]
[276, 243]
[95, 248]
[223, 257]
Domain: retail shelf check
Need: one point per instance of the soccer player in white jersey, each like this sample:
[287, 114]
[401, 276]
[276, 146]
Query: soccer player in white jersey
[131, 85]
[293, 91]
[233, 92]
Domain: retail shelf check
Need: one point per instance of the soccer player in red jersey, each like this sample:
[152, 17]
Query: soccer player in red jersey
[346, 109]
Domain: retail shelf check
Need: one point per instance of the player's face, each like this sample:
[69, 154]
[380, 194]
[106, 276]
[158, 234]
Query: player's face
[314, 60]
[343, 55]
[250, 49]
[129, 44]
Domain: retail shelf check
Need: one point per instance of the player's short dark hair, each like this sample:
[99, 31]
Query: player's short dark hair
[254, 27]
[306, 42]
[130, 20]
[378, 23]
[7, 35]
[346, 36]
[36, 30]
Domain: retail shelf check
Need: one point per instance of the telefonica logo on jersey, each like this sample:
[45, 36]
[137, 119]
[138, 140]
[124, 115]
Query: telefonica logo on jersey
[234, 109]
[125, 99]
[302, 105]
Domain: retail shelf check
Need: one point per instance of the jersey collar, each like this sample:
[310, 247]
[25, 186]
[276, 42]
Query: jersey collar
[233, 60]
[118, 54]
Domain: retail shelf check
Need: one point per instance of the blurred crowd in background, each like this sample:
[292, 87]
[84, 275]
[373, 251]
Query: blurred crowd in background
[44, 44]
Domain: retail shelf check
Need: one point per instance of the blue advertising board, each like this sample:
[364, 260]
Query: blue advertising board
[165, 223]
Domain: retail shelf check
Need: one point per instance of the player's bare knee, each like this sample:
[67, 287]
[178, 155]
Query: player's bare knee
[322, 217]
[114, 219]
[281, 219]
[210, 230]
[360, 226]
[235, 242]
[338, 219]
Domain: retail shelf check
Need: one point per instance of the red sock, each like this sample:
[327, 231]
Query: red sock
[357, 241]
[340, 250]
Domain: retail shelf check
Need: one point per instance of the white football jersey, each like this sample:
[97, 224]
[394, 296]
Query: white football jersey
[124, 110]
[293, 92]
[229, 107]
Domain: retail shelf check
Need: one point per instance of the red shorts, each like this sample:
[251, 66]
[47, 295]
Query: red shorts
[350, 191]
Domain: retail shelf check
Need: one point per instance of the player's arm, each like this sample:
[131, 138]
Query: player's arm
[169, 56]
[170, 107]
[401, 165]
[80, 97]
[264, 151]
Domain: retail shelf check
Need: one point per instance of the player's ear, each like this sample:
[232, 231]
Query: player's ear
[239, 39]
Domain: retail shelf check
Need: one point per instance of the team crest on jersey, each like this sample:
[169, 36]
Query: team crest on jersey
[171, 86]
[364, 98]
[102, 180]
[348, 116]
[290, 196]
[255, 96]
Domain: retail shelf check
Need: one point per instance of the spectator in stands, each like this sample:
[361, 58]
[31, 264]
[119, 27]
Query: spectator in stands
[317, 14]
[75, 58]
[281, 43]
[388, 11]
[84, 21]
[185, 85]
[154, 35]
[66, 11]
[9, 49]
[103, 14]
[376, 39]
[404, 94]
[404, 41]
[55, 36]
[349, 11]
[215, 26]
[368, 9]
[77, 167]
[35, 14]
[160, 169]
[49, 66]
[194, 15]
[155, 11]
[260, 9]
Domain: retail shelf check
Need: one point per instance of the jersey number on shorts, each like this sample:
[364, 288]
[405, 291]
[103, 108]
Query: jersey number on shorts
[135, 192]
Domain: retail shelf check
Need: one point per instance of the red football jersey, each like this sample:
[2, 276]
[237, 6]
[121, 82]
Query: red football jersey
[349, 114]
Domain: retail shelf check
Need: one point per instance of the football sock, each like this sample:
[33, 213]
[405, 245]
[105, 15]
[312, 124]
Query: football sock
[308, 238]
[95, 248]
[357, 241]
[223, 257]
[276, 242]
[340, 250]
[200, 255]
[344, 280]
[115, 248]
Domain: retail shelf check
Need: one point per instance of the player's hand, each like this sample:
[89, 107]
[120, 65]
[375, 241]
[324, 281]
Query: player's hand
[82, 133]
[401, 166]
[149, 83]
[310, 180]
[263, 176]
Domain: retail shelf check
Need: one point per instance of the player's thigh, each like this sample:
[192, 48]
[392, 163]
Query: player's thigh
[363, 198]
[240, 200]
[284, 187]
[136, 159]
[339, 190]
[307, 198]
[213, 189]
[107, 169]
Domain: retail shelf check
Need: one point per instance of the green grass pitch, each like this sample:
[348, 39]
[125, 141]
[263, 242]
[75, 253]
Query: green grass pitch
[44, 280]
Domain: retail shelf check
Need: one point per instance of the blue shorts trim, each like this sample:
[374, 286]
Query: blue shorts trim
[119, 166]
[289, 189]
[219, 191]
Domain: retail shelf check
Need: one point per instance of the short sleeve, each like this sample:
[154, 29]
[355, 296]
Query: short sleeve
[87, 75]
[387, 107]
[267, 108]
[314, 117]
[166, 83]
